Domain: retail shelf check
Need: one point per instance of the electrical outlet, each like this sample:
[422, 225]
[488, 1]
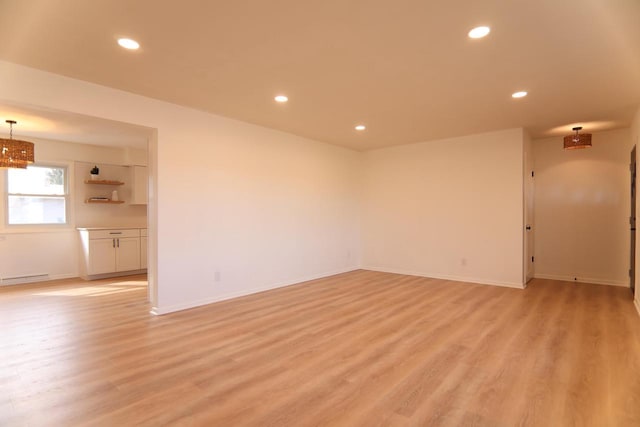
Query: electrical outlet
[216, 276]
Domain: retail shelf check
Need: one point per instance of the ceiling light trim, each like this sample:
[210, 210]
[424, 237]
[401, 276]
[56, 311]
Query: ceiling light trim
[479, 32]
[129, 44]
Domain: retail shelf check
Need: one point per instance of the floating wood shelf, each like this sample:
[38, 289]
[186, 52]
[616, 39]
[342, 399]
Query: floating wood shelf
[114, 202]
[102, 182]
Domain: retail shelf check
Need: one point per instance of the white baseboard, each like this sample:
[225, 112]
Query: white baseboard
[636, 302]
[110, 275]
[582, 280]
[474, 280]
[192, 304]
[63, 276]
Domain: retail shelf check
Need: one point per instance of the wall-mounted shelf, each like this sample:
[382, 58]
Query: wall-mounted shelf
[103, 182]
[114, 202]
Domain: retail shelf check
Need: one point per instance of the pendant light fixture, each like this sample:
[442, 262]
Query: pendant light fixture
[15, 153]
[577, 140]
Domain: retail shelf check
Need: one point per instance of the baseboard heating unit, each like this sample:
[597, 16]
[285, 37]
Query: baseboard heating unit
[29, 278]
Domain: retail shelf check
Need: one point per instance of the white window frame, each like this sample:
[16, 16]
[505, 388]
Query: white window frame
[41, 226]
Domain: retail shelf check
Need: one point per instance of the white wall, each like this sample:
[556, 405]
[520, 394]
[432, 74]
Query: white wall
[582, 209]
[261, 207]
[451, 208]
[53, 251]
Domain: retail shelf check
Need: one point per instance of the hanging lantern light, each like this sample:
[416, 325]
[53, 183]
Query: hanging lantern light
[15, 153]
[577, 140]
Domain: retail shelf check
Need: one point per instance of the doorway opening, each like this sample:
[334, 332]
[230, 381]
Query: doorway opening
[107, 171]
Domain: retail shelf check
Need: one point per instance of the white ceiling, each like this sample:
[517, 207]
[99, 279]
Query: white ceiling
[405, 68]
[35, 122]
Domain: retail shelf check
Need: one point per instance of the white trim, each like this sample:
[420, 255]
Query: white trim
[473, 280]
[582, 280]
[69, 213]
[636, 302]
[192, 304]
[63, 276]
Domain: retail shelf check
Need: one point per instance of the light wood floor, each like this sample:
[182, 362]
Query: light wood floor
[358, 349]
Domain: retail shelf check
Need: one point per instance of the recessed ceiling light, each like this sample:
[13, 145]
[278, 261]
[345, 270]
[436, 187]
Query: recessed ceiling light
[360, 127]
[129, 44]
[479, 32]
[281, 98]
[520, 94]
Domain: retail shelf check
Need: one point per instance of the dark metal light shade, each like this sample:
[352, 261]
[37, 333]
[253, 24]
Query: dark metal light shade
[15, 153]
[577, 140]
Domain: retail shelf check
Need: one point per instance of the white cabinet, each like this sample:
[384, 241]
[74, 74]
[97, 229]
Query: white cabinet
[110, 251]
[140, 183]
[127, 253]
[102, 256]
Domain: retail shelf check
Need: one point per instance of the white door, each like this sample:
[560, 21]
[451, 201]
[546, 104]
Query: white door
[127, 253]
[102, 256]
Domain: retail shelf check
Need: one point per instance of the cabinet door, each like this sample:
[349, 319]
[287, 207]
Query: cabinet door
[143, 252]
[128, 253]
[102, 256]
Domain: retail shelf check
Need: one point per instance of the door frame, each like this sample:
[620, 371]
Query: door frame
[632, 220]
[528, 236]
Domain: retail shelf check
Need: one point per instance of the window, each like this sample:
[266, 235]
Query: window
[37, 195]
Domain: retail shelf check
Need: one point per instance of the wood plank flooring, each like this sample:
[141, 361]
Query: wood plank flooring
[357, 349]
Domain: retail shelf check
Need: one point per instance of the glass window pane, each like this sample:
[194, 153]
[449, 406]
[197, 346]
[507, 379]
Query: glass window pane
[37, 180]
[37, 210]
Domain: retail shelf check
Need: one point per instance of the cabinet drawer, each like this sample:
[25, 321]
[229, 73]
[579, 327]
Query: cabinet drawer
[110, 234]
[143, 232]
